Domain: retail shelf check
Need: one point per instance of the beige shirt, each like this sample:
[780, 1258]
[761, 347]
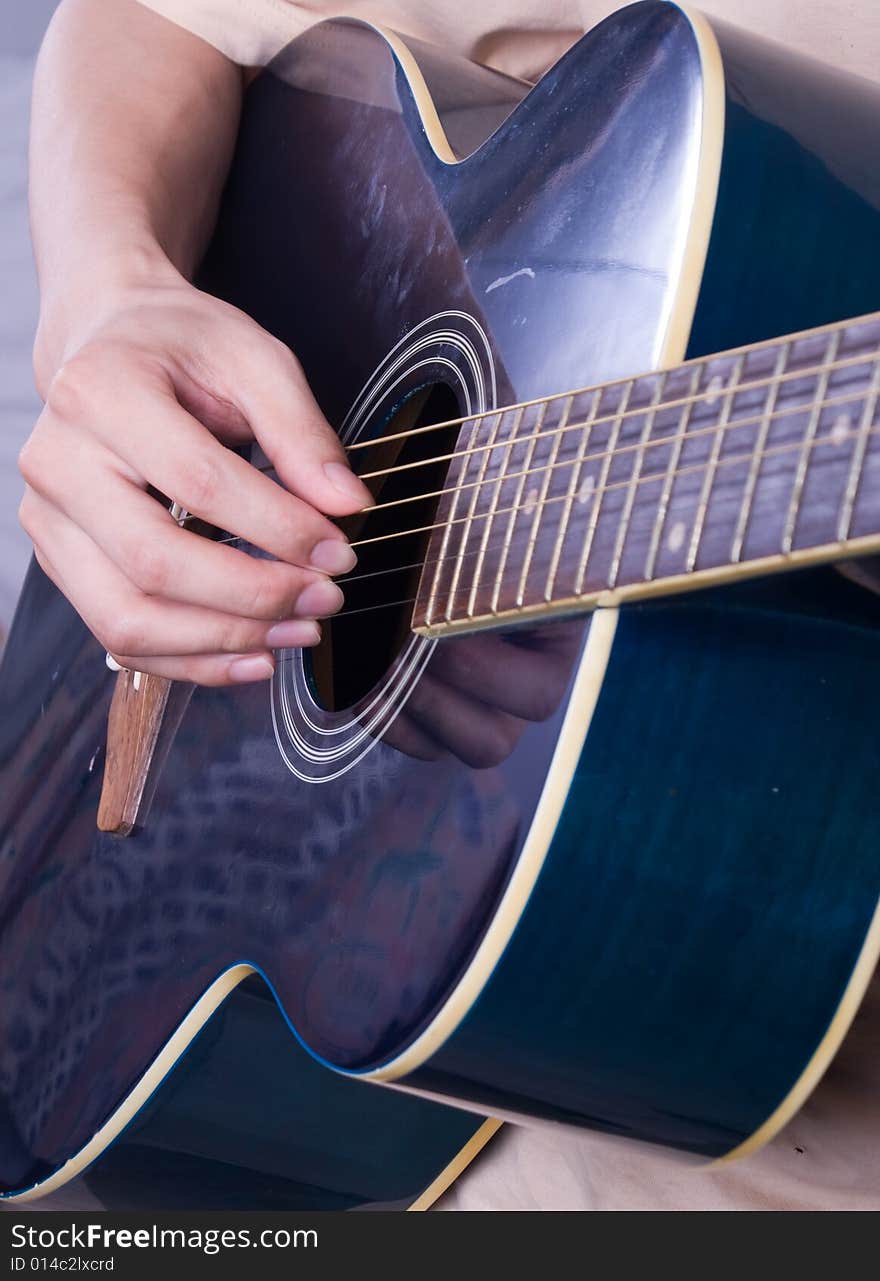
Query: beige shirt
[522, 37]
[829, 1156]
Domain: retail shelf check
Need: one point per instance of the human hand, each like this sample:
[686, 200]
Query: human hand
[148, 395]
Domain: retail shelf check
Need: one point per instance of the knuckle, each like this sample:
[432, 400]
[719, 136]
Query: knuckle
[236, 637]
[188, 670]
[122, 634]
[283, 354]
[201, 484]
[42, 464]
[299, 528]
[72, 390]
[271, 597]
[30, 460]
[192, 673]
[148, 567]
[27, 514]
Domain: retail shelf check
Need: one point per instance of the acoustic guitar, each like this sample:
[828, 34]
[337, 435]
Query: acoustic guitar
[537, 831]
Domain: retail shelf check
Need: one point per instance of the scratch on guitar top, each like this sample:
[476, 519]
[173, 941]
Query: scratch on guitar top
[505, 280]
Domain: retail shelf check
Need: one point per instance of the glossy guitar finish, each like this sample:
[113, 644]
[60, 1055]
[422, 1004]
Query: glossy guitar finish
[649, 929]
[244, 1119]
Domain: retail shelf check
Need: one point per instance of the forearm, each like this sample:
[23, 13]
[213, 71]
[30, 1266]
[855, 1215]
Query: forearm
[147, 380]
[134, 122]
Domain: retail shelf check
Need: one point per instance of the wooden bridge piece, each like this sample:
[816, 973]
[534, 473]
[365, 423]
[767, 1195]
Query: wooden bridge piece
[139, 718]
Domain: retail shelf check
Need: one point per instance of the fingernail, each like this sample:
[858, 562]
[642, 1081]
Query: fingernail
[319, 599]
[253, 667]
[343, 479]
[293, 633]
[333, 556]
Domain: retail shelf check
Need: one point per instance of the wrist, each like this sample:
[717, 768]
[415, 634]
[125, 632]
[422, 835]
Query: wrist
[73, 302]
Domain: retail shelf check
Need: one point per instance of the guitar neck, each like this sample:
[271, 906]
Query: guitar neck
[739, 464]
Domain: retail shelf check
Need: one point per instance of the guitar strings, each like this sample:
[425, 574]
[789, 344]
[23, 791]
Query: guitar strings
[707, 395]
[510, 442]
[595, 499]
[598, 492]
[640, 446]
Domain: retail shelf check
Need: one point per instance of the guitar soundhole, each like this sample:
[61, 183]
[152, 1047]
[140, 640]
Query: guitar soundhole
[360, 644]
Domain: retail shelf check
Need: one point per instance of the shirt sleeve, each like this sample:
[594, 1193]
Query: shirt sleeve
[249, 32]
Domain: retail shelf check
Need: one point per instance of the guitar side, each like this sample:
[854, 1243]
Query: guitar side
[235, 1115]
[654, 990]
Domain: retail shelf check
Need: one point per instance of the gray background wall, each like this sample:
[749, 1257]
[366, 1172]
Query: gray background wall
[23, 27]
[20, 33]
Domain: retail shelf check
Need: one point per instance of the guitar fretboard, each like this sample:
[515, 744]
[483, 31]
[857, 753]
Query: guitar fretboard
[741, 463]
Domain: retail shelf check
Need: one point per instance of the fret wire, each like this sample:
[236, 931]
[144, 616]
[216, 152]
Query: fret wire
[600, 488]
[511, 519]
[804, 455]
[712, 464]
[678, 440]
[493, 506]
[859, 450]
[848, 363]
[776, 449]
[687, 406]
[629, 501]
[573, 485]
[540, 499]
[624, 449]
[844, 363]
[745, 511]
[447, 534]
[475, 495]
[684, 471]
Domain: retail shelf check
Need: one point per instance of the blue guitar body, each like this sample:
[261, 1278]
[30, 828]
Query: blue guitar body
[620, 872]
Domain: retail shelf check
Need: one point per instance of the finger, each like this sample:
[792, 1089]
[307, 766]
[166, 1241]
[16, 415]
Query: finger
[284, 416]
[162, 559]
[476, 734]
[526, 683]
[161, 443]
[407, 737]
[205, 669]
[126, 621]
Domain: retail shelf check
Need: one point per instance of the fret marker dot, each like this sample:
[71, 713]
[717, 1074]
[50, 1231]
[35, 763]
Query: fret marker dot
[675, 541]
[586, 490]
[841, 429]
[714, 390]
[531, 501]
